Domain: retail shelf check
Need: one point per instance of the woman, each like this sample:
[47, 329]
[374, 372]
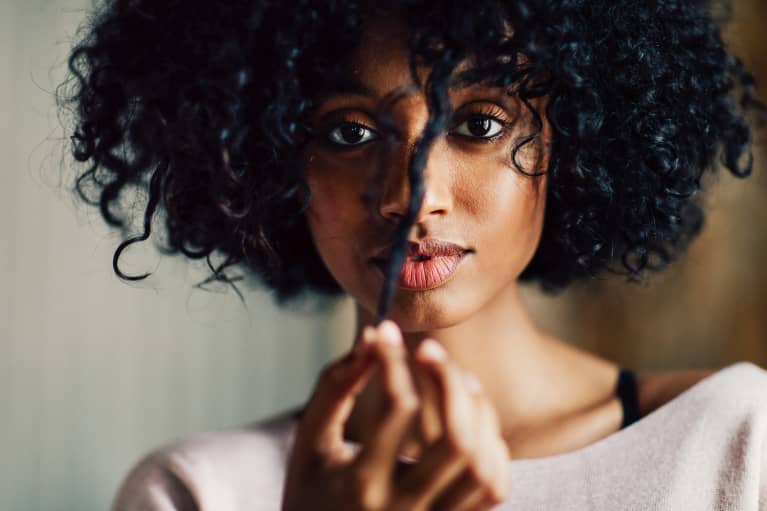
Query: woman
[426, 159]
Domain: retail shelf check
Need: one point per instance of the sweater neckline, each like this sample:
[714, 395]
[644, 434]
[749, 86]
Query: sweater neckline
[634, 430]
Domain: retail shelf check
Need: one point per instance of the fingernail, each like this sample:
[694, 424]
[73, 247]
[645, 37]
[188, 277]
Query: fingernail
[389, 332]
[368, 335]
[473, 383]
[433, 350]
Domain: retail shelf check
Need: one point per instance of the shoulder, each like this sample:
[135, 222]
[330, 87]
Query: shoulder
[712, 435]
[227, 470]
[743, 380]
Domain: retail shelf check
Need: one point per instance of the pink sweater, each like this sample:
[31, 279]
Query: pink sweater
[704, 450]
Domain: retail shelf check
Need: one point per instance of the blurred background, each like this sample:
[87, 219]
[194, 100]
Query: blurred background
[95, 372]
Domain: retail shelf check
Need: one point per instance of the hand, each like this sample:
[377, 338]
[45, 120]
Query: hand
[465, 468]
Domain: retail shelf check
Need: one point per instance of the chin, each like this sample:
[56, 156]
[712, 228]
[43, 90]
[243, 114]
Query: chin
[430, 310]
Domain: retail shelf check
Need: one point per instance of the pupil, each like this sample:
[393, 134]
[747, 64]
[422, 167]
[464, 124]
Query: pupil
[352, 133]
[479, 126]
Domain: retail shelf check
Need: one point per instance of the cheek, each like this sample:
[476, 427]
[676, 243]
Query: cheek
[328, 213]
[520, 200]
[335, 199]
[515, 202]
[336, 219]
[507, 210]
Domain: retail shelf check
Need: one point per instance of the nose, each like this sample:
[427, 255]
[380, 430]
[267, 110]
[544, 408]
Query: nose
[437, 198]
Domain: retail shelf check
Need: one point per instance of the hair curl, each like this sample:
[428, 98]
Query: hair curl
[203, 103]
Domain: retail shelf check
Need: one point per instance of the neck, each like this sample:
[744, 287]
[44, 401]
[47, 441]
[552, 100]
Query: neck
[531, 377]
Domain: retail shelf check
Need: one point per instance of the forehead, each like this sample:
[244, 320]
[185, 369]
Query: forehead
[381, 63]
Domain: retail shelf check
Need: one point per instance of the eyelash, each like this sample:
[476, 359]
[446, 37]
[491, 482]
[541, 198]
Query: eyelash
[495, 114]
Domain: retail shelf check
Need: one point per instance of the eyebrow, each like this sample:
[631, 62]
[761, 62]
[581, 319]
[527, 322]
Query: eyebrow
[348, 86]
[345, 87]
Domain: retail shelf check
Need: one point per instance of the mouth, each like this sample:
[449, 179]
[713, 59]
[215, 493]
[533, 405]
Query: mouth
[425, 249]
[421, 273]
[383, 262]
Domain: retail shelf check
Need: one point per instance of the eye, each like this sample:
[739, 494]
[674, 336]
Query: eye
[480, 126]
[351, 134]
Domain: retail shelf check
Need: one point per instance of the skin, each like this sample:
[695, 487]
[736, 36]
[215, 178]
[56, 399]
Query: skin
[544, 396]
[473, 197]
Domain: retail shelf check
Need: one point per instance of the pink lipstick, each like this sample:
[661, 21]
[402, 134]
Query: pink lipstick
[429, 264]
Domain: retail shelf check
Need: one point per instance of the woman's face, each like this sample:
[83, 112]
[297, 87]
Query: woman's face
[473, 195]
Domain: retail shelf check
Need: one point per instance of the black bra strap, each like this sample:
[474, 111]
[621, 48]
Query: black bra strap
[626, 391]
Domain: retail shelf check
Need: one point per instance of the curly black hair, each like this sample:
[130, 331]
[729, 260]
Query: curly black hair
[204, 103]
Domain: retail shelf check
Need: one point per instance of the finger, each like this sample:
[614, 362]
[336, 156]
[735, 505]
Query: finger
[471, 498]
[377, 458]
[320, 431]
[477, 484]
[444, 460]
[498, 488]
[455, 402]
[493, 468]
[437, 469]
[468, 491]
[427, 429]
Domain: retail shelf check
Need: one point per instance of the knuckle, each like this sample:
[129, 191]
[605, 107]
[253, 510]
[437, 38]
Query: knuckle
[404, 404]
[495, 496]
[458, 441]
[480, 473]
[497, 491]
[394, 353]
[369, 497]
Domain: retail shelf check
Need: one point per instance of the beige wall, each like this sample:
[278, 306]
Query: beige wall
[94, 372]
[710, 309]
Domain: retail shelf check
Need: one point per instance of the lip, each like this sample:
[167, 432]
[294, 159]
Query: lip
[421, 275]
[431, 247]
